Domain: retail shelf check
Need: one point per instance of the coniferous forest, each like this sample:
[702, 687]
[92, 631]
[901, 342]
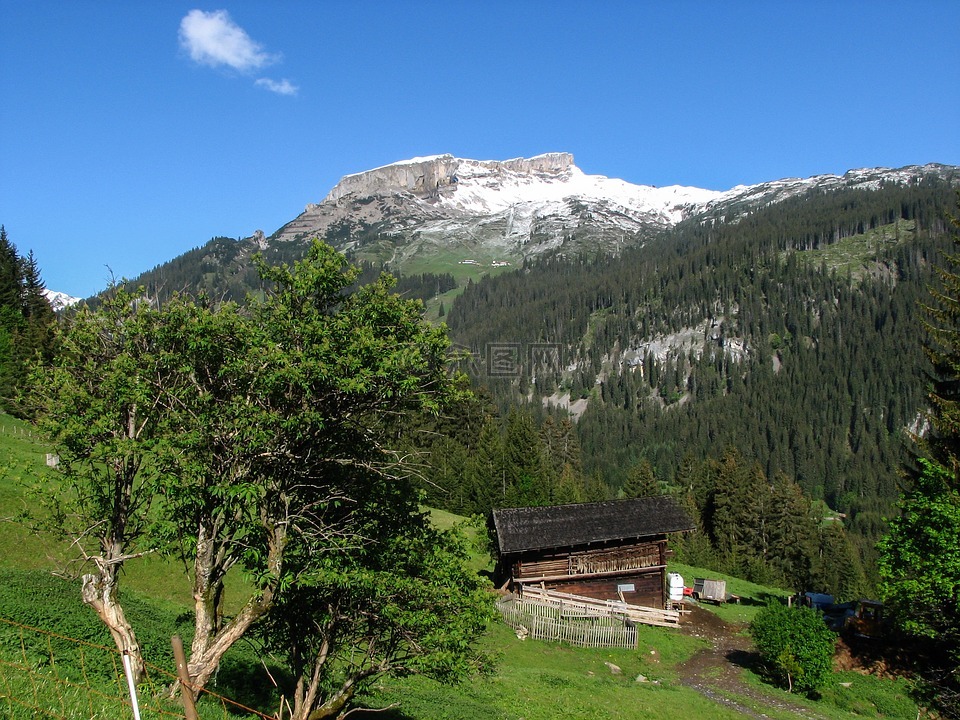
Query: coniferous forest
[780, 352]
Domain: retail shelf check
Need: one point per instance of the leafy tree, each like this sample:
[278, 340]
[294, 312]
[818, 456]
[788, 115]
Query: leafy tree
[920, 578]
[102, 411]
[252, 432]
[795, 646]
[279, 434]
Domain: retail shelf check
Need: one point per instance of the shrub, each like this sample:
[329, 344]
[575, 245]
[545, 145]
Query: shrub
[795, 646]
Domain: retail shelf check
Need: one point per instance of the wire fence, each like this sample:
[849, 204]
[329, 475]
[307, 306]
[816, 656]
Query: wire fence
[18, 431]
[47, 675]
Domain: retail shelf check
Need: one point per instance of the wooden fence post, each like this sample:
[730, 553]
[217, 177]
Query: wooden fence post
[189, 709]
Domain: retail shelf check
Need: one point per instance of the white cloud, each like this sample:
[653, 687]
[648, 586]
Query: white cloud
[281, 87]
[212, 38]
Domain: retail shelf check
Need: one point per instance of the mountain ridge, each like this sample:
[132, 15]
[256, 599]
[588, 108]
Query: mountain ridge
[469, 218]
[523, 207]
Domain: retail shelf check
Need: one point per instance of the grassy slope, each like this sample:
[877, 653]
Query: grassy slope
[21, 456]
[531, 680]
[24, 458]
[857, 254]
[752, 596]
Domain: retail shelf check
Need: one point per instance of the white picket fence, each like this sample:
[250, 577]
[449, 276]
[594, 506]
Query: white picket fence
[530, 620]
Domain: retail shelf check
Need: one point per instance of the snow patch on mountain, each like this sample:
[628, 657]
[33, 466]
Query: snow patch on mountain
[486, 187]
[58, 300]
[547, 181]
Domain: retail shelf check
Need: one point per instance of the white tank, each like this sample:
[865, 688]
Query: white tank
[675, 587]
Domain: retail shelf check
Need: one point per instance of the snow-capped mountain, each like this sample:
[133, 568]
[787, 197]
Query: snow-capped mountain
[58, 300]
[510, 209]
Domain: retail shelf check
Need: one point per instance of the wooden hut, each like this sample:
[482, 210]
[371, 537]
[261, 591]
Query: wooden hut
[612, 550]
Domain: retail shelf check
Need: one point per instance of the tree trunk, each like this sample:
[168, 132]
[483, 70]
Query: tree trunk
[211, 639]
[305, 693]
[99, 592]
[201, 667]
[204, 596]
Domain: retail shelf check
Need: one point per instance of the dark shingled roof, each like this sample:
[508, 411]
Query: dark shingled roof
[536, 528]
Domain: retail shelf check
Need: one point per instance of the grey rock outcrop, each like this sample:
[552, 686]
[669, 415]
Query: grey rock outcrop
[420, 176]
[431, 176]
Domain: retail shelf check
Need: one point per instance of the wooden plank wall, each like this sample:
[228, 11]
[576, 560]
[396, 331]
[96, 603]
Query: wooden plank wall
[648, 588]
[588, 562]
[600, 571]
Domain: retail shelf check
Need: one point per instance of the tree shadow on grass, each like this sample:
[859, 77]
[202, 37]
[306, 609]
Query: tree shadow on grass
[245, 682]
[763, 598]
[745, 659]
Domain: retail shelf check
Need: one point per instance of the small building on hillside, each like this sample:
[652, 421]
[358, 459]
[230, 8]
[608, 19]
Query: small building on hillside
[609, 550]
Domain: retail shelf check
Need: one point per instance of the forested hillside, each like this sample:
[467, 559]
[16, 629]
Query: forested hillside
[223, 269]
[790, 336]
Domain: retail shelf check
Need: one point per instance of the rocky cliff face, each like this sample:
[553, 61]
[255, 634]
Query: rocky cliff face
[430, 177]
[420, 176]
[546, 164]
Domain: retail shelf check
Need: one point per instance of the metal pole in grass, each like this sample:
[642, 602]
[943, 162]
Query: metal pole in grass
[185, 691]
[131, 685]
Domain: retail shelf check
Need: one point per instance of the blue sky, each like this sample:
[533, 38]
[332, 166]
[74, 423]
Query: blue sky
[132, 132]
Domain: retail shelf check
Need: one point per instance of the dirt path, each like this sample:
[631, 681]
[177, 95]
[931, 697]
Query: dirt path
[716, 671]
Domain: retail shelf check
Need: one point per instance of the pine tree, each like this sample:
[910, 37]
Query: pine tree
[37, 312]
[569, 487]
[14, 344]
[641, 481]
[525, 486]
[794, 538]
[10, 273]
[837, 569]
[486, 473]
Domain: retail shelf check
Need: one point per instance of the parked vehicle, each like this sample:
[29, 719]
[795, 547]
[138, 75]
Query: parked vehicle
[713, 590]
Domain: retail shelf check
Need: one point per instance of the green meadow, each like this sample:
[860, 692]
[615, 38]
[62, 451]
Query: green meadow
[529, 680]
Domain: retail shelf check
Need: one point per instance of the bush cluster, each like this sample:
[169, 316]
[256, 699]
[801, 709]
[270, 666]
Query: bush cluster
[796, 647]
